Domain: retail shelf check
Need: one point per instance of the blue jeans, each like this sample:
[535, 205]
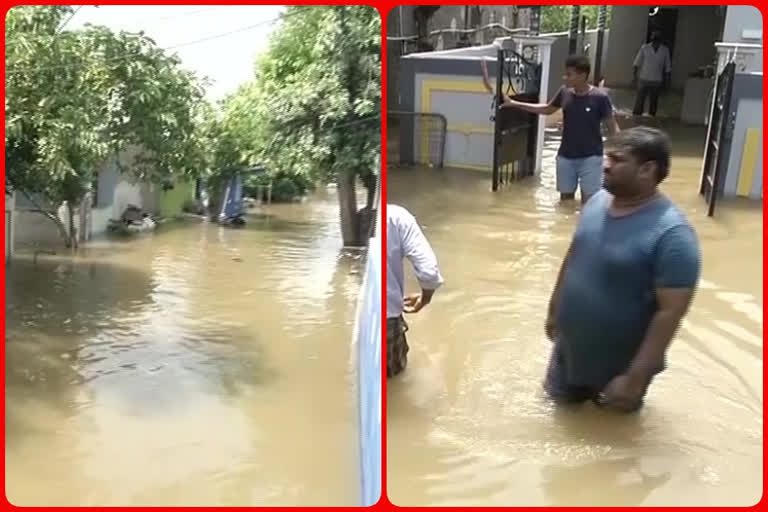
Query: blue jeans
[585, 173]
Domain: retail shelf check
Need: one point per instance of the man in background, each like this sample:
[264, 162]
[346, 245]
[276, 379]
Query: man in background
[651, 70]
[406, 240]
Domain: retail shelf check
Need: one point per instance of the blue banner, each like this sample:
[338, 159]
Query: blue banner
[368, 337]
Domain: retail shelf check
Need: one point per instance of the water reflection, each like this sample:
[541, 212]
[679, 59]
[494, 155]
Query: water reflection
[175, 369]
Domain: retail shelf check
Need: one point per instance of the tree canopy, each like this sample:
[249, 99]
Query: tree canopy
[312, 109]
[557, 18]
[75, 97]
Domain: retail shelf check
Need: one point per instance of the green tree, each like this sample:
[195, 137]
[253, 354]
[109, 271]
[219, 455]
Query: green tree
[313, 108]
[75, 98]
[557, 18]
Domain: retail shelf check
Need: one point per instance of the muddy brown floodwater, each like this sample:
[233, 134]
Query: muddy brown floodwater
[196, 366]
[468, 424]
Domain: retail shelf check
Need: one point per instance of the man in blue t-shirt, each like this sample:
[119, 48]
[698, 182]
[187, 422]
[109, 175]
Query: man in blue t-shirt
[580, 158]
[626, 282]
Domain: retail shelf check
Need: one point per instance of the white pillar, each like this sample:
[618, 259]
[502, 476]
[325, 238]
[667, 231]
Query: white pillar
[545, 52]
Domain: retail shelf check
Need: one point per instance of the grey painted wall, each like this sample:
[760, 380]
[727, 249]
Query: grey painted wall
[747, 94]
[631, 21]
[698, 28]
[738, 18]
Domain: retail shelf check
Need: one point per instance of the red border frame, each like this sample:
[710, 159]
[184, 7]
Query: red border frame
[383, 6]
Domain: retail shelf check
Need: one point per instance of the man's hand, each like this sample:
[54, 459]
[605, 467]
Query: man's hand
[414, 303]
[486, 79]
[624, 392]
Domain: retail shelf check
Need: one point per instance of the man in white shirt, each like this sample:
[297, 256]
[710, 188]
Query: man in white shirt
[406, 240]
[652, 70]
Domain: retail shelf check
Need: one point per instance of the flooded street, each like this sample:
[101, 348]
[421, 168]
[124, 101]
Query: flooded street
[196, 366]
[468, 423]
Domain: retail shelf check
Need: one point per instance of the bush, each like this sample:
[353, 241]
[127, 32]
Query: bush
[192, 206]
[285, 187]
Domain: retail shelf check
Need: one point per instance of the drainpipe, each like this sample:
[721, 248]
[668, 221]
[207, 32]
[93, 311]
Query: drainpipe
[402, 42]
[601, 15]
[574, 29]
[534, 15]
[463, 40]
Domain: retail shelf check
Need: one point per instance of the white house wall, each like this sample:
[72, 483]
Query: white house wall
[114, 192]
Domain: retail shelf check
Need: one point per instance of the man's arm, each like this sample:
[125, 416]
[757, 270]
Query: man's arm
[543, 109]
[487, 83]
[637, 63]
[486, 79]
[667, 70]
[419, 252]
[612, 124]
[677, 269]
[554, 300]
[673, 304]
[609, 119]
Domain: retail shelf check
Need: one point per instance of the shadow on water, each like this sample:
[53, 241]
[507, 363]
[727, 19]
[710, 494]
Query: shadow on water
[623, 482]
[63, 296]
[88, 325]
[619, 478]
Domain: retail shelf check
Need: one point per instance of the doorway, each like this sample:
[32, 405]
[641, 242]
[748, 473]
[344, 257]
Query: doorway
[663, 19]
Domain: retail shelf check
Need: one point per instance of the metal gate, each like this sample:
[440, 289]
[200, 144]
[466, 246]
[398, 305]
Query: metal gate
[428, 129]
[514, 140]
[720, 129]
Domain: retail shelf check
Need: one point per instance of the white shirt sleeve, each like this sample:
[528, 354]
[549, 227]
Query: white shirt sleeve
[418, 251]
[639, 58]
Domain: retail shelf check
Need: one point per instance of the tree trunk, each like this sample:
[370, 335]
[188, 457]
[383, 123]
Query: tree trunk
[53, 218]
[59, 225]
[350, 229]
[72, 229]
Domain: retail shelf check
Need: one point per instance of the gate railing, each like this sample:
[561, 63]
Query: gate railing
[717, 133]
[514, 133]
[424, 137]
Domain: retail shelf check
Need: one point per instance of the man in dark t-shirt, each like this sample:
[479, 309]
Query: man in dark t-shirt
[626, 282]
[580, 158]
